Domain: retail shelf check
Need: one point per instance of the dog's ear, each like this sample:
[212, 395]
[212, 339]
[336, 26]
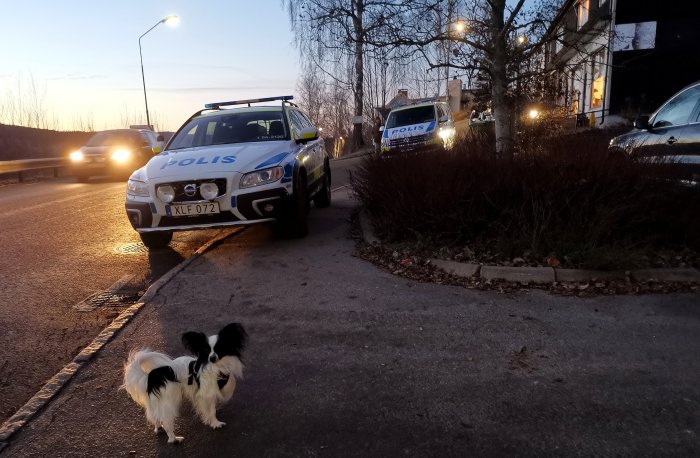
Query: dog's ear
[196, 342]
[232, 340]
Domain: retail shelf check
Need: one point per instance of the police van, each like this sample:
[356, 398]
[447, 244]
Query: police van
[230, 164]
[420, 126]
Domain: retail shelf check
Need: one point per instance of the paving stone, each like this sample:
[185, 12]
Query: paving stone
[679, 274]
[588, 275]
[457, 268]
[518, 274]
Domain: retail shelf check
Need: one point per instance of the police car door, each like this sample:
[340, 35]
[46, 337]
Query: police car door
[310, 153]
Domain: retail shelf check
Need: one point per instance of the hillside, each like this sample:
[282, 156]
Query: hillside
[27, 143]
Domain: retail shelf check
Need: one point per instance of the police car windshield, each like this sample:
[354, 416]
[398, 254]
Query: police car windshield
[410, 116]
[231, 127]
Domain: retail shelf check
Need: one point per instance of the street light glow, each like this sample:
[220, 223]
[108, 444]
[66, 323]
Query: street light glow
[533, 114]
[460, 26]
[172, 20]
[522, 39]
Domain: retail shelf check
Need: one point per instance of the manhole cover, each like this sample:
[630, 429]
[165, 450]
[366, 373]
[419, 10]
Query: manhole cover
[132, 248]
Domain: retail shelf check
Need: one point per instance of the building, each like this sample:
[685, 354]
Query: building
[621, 57]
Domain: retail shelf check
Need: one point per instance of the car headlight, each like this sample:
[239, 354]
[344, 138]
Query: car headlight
[166, 193]
[209, 190]
[260, 177]
[121, 155]
[445, 133]
[137, 188]
[77, 156]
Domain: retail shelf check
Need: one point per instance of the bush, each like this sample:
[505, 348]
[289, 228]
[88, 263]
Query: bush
[562, 196]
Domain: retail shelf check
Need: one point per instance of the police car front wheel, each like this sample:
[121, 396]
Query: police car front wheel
[156, 239]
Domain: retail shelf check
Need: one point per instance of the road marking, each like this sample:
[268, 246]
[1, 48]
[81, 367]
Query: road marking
[339, 188]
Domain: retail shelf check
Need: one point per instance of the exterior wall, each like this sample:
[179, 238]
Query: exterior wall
[454, 94]
[635, 79]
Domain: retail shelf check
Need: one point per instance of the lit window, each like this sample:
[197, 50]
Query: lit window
[597, 80]
[582, 12]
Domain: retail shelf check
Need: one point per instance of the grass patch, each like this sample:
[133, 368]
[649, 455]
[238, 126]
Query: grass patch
[560, 196]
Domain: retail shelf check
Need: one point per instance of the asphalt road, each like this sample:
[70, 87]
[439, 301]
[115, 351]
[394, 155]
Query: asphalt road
[63, 242]
[348, 360]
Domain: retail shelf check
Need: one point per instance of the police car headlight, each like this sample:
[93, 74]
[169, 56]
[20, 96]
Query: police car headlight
[77, 156]
[166, 193]
[121, 155]
[445, 133]
[136, 188]
[209, 190]
[260, 177]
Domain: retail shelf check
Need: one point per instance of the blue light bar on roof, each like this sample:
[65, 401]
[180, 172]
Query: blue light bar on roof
[249, 101]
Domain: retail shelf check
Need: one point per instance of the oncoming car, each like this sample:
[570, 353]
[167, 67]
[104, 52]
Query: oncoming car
[115, 152]
[419, 126]
[233, 166]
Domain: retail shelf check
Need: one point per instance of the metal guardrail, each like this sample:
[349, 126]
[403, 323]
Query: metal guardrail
[28, 165]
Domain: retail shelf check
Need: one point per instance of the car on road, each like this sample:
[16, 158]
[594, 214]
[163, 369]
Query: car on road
[670, 135]
[232, 163]
[418, 126]
[116, 153]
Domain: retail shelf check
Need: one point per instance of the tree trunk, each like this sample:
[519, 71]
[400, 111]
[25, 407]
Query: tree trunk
[501, 103]
[357, 140]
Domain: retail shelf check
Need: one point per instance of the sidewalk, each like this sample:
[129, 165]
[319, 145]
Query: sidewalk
[348, 360]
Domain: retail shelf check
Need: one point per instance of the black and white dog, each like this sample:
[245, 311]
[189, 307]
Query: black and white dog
[158, 383]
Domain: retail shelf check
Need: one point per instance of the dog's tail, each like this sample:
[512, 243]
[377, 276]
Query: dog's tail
[146, 372]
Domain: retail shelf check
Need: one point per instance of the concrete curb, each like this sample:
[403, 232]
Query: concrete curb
[543, 275]
[58, 381]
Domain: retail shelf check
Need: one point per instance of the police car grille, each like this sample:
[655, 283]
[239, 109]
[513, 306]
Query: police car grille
[179, 187]
[408, 141]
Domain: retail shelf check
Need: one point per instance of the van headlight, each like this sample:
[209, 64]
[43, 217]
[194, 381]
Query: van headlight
[445, 133]
[260, 177]
[77, 156]
[136, 188]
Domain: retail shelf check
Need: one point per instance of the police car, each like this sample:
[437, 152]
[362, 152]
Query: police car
[419, 126]
[232, 166]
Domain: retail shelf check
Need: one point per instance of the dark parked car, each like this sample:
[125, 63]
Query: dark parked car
[116, 153]
[670, 135]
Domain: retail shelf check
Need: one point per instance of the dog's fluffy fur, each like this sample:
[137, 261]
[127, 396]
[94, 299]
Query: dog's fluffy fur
[158, 383]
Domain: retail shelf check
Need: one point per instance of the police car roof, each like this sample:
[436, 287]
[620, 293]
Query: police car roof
[242, 110]
[415, 105]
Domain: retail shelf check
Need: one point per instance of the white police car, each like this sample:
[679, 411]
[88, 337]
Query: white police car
[420, 126]
[235, 166]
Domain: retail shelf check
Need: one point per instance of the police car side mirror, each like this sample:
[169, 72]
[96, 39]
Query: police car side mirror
[156, 150]
[307, 134]
[381, 128]
[443, 119]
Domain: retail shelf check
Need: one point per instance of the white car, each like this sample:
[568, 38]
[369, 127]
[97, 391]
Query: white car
[419, 126]
[235, 166]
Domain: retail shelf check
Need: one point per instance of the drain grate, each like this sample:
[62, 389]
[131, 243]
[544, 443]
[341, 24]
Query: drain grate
[132, 248]
[109, 298]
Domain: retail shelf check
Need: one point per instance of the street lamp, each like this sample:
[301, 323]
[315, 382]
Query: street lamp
[172, 21]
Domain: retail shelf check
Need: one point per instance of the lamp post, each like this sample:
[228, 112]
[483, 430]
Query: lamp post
[170, 20]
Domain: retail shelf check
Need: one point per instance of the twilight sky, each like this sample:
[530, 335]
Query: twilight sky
[84, 56]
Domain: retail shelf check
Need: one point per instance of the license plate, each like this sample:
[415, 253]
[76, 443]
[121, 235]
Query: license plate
[208, 208]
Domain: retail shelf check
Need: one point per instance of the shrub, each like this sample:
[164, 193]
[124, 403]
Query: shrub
[562, 196]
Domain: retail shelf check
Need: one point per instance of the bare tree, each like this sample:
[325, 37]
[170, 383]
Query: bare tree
[336, 32]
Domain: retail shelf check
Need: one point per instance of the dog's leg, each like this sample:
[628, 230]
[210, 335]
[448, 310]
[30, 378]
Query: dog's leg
[169, 428]
[207, 412]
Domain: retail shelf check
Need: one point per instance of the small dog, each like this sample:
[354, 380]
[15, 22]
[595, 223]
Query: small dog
[158, 383]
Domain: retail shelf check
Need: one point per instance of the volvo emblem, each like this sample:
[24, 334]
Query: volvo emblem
[190, 190]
